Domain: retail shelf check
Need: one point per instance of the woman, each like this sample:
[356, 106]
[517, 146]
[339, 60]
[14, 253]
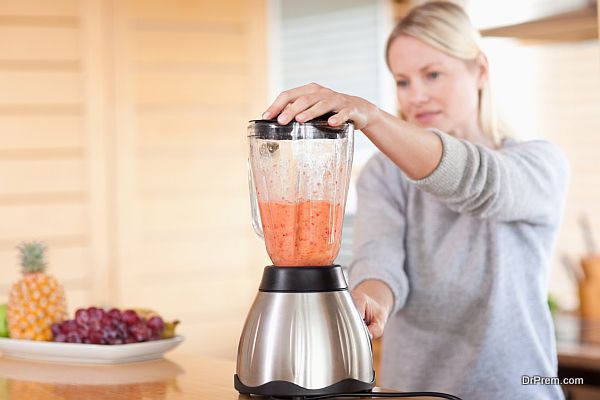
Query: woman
[455, 224]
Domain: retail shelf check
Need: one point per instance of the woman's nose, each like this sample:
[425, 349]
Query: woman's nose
[418, 93]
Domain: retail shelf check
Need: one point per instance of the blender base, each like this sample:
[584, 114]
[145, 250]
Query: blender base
[290, 390]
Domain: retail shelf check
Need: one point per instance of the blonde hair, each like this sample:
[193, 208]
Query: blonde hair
[446, 27]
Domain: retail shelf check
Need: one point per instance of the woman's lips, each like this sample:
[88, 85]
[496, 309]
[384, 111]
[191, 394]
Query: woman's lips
[427, 116]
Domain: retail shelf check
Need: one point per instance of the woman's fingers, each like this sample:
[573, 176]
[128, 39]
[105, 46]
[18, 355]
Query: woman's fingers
[371, 312]
[286, 97]
[342, 116]
[310, 101]
[300, 108]
[354, 110]
[319, 108]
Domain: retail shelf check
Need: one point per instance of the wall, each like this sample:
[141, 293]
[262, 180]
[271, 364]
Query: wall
[122, 146]
[191, 74]
[45, 165]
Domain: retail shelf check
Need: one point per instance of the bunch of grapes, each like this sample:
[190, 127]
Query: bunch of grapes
[96, 326]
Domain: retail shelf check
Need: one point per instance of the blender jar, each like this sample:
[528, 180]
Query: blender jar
[299, 175]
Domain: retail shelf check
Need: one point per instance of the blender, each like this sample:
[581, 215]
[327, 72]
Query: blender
[303, 335]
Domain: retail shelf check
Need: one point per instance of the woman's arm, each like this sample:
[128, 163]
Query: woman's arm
[376, 274]
[522, 182]
[414, 150]
[526, 183]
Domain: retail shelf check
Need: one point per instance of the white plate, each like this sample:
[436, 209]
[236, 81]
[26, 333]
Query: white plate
[87, 353]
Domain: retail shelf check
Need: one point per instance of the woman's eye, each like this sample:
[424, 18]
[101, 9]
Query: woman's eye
[433, 75]
[402, 83]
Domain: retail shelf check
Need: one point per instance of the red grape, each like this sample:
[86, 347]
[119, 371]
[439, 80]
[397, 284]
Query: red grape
[140, 331]
[73, 337]
[95, 337]
[94, 325]
[106, 321]
[96, 313]
[156, 324]
[61, 337]
[115, 314]
[68, 326]
[82, 316]
[55, 328]
[130, 317]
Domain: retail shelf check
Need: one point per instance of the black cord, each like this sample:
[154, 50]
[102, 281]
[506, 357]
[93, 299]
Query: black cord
[372, 395]
[388, 394]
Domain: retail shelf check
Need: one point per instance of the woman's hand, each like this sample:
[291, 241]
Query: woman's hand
[374, 301]
[310, 101]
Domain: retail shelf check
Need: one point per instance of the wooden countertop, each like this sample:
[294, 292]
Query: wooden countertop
[176, 377]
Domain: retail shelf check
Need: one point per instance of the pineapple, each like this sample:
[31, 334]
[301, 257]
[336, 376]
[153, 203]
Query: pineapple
[37, 300]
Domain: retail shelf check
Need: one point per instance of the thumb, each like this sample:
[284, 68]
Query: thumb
[375, 329]
[373, 315]
[360, 302]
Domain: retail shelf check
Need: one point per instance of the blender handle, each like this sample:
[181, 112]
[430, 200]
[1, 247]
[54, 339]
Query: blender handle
[256, 222]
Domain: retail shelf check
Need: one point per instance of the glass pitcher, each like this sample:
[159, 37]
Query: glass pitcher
[298, 176]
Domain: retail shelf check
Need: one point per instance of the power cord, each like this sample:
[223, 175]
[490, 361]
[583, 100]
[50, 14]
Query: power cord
[373, 395]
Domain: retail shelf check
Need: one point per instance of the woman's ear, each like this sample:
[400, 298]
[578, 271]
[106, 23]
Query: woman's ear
[483, 69]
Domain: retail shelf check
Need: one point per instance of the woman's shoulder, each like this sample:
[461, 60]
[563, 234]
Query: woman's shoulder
[540, 151]
[539, 147]
[533, 145]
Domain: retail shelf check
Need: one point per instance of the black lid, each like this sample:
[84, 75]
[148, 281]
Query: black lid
[303, 279]
[316, 128]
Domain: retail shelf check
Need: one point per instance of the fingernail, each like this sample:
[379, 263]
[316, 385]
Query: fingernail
[300, 117]
[266, 115]
[282, 118]
[333, 121]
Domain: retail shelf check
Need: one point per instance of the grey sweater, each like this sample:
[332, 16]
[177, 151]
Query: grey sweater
[466, 252]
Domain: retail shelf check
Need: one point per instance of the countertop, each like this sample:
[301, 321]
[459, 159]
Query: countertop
[176, 377]
[578, 346]
[578, 342]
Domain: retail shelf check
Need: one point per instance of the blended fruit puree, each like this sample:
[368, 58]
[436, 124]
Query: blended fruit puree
[299, 234]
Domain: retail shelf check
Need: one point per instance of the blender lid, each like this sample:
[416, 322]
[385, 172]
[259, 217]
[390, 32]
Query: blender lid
[316, 128]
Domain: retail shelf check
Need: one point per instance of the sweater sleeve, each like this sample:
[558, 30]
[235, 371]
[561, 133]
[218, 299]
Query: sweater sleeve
[379, 230]
[523, 182]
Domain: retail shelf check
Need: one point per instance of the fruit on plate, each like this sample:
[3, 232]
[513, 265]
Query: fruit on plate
[146, 313]
[3, 323]
[169, 330]
[169, 326]
[37, 300]
[97, 326]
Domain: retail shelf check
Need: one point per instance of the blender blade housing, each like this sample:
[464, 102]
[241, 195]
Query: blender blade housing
[303, 336]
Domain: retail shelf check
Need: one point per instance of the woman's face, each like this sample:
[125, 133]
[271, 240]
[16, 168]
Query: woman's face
[436, 90]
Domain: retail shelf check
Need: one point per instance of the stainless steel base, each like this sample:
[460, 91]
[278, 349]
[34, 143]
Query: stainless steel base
[313, 340]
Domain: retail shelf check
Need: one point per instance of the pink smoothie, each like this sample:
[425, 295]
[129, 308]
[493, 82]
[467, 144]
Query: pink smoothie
[302, 234]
